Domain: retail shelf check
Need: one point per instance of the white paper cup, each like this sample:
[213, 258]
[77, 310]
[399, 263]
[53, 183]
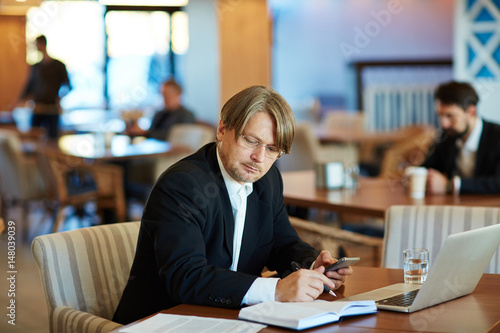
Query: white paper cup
[417, 178]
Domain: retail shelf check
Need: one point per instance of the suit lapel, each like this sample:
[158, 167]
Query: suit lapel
[227, 210]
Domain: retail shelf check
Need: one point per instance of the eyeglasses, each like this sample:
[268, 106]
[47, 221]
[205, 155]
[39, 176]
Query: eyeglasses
[252, 143]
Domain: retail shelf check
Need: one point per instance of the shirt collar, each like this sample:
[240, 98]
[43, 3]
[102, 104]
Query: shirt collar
[233, 187]
[472, 142]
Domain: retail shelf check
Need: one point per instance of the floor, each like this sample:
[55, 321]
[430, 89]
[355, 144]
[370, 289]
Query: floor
[30, 307]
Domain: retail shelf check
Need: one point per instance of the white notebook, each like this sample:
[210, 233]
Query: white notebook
[302, 315]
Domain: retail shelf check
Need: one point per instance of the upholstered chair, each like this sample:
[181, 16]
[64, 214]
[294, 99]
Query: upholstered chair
[84, 272]
[420, 226]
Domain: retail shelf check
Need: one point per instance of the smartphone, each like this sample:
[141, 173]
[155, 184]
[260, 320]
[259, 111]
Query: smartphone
[342, 263]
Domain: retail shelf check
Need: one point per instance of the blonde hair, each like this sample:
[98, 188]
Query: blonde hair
[242, 106]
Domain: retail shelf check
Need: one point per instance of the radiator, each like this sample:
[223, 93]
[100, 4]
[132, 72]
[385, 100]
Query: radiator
[391, 107]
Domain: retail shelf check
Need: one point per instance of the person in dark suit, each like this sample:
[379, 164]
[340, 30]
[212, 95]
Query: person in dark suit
[173, 113]
[466, 155]
[215, 219]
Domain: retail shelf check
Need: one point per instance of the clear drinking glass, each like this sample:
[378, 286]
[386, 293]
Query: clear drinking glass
[416, 265]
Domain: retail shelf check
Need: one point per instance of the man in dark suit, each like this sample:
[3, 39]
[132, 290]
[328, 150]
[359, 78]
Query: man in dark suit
[173, 113]
[466, 155]
[215, 219]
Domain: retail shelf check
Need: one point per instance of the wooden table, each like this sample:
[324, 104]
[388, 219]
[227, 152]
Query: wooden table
[357, 135]
[90, 152]
[476, 312]
[119, 148]
[373, 197]
[34, 134]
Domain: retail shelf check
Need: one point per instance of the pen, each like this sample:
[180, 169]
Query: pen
[296, 266]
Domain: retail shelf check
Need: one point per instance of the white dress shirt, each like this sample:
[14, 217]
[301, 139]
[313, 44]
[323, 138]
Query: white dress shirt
[466, 159]
[262, 289]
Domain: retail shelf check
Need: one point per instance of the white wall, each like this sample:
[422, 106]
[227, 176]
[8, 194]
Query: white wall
[311, 44]
[202, 79]
[311, 38]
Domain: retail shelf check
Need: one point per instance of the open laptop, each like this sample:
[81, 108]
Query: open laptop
[456, 271]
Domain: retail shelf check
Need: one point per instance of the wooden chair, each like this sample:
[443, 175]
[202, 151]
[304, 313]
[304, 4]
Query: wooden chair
[409, 152]
[354, 120]
[323, 237]
[428, 226]
[307, 152]
[21, 180]
[495, 328]
[106, 188]
[83, 274]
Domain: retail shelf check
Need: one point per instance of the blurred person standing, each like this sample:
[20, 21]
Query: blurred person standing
[173, 113]
[44, 88]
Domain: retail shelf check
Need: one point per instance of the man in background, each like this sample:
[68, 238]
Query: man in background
[46, 79]
[172, 113]
[466, 156]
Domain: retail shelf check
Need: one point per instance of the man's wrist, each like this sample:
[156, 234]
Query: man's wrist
[261, 290]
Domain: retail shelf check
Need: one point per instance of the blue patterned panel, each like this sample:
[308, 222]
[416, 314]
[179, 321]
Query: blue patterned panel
[471, 54]
[496, 55]
[484, 37]
[484, 16]
[470, 3]
[480, 55]
[485, 73]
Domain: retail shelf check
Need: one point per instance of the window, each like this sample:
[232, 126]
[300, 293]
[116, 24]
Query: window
[74, 32]
[116, 56]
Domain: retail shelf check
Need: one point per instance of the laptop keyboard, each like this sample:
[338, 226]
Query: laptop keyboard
[404, 299]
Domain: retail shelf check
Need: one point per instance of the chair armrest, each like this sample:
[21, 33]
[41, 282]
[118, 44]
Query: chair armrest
[66, 319]
[323, 237]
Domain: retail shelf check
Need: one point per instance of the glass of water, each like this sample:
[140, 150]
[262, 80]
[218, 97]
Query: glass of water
[416, 265]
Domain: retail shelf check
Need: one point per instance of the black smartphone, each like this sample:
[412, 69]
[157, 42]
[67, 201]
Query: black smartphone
[342, 263]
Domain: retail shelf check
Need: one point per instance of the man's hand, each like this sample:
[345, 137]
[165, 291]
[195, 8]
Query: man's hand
[337, 277]
[302, 286]
[306, 284]
[436, 182]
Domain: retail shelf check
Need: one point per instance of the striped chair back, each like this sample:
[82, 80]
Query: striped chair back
[429, 226]
[84, 272]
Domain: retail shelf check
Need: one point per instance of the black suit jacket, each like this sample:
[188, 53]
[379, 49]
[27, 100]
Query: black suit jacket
[486, 179]
[185, 242]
